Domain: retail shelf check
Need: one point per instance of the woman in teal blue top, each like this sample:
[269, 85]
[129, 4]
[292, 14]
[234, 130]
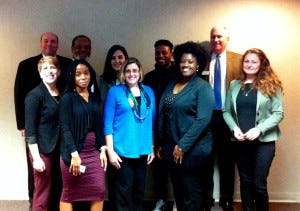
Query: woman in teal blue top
[185, 112]
[253, 109]
[129, 115]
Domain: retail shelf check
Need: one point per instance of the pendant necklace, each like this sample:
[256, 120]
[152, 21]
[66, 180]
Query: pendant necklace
[246, 93]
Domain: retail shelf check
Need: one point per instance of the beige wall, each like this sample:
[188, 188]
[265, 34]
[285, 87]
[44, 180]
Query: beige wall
[270, 25]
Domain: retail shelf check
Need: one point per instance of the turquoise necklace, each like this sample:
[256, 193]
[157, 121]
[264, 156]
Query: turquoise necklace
[135, 105]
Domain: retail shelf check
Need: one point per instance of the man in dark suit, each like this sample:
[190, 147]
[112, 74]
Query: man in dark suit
[229, 68]
[28, 78]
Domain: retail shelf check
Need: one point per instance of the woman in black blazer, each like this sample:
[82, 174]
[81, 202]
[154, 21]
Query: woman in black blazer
[185, 112]
[42, 134]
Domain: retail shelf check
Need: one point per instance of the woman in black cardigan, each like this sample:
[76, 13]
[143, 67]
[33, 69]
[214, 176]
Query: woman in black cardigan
[83, 156]
[185, 112]
[42, 135]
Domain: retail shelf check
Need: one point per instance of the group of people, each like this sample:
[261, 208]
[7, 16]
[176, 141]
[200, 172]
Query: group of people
[195, 109]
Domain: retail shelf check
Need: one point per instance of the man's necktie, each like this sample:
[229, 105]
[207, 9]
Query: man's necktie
[217, 84]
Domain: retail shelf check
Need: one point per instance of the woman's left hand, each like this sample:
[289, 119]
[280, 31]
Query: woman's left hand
[103, 159]
[75, 164]
[252, 134]
[150, 158]
[178, 154]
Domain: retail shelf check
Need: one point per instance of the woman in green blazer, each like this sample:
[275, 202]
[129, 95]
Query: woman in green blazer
[253, 109]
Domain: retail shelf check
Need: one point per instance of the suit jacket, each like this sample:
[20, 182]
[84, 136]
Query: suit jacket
[41, 119]
[269, 112]
[158, 79]
[233, 68]
[190, 117]
[28, 77]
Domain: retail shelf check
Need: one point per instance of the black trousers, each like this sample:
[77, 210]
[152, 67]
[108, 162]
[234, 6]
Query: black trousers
[130, 184]
[254, 160]
[188, 181]
[223, 156]
[160, 178]
[111, 178]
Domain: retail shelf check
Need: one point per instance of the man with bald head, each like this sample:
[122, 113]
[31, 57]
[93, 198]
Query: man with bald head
[27, 78]
[224, 66]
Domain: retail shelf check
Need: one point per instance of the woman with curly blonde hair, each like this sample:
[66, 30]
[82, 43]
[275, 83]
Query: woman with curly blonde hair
[253, 109]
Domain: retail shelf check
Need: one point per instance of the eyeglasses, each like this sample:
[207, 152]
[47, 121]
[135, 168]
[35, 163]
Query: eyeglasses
[135, 71]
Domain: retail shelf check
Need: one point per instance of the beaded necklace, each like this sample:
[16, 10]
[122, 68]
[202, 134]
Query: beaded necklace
[135, 105]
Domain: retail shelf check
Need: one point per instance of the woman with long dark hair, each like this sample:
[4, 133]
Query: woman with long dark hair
[83, 156]
[115, 57]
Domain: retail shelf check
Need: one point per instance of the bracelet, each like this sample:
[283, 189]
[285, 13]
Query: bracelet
[103, 148]
[74, 154]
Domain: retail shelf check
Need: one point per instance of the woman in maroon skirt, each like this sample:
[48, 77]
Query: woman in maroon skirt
[83, 157]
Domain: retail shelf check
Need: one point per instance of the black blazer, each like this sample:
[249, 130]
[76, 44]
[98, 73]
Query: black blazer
[190, 117]
[41, 119]
[28, 77]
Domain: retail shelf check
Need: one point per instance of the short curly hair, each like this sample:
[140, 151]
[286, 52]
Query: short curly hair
[164, 43]
[193, 48]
